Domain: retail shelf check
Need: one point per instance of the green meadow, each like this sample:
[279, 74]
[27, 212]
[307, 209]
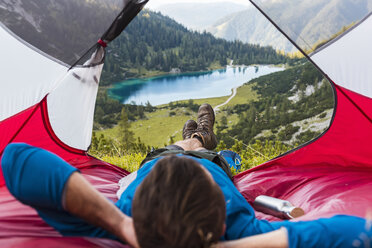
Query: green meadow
[165, 124]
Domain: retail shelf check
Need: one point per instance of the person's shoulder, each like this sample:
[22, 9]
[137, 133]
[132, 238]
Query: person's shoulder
[218, 174]
[14, 149]
[13, 146]
[147, 167]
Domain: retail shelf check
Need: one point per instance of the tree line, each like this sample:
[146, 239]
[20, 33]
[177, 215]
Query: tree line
[153, 42]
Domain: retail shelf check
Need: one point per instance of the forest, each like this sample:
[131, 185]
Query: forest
[153, 43]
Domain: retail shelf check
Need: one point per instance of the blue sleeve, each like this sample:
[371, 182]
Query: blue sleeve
[241, 221]
[340, 231]
[37, 178]
[240, 217]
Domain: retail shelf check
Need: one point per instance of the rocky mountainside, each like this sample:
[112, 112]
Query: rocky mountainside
[313, 21]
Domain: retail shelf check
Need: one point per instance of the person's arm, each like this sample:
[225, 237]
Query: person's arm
[274, 239]
[84, 201]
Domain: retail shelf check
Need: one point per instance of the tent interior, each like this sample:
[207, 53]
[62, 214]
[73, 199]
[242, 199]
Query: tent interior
[47, 89]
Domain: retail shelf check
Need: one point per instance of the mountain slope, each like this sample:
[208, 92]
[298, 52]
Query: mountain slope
[252, 27]
[199, 16]
[306, 22]
[288, 100]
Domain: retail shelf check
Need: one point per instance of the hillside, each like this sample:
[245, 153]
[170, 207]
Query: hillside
[154, 44]
[252, 27]
[199, 16]
[287, 102]
[305, 18]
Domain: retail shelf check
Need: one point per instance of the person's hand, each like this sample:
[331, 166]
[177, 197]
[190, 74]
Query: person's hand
[129, 233]
[84, 201]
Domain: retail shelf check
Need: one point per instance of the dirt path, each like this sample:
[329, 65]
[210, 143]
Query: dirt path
[217, 108]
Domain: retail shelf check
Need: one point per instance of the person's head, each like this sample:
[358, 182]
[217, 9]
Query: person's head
[178, 204]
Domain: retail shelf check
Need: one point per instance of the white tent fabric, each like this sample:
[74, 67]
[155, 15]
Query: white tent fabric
[75, 95]
[71, 94]
[26, 75]
[348, 60]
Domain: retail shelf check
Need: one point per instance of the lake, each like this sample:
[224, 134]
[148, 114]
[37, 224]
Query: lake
[175, 87]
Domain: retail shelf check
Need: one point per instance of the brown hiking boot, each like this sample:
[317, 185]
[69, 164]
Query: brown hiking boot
[205, 127]
[188, 129]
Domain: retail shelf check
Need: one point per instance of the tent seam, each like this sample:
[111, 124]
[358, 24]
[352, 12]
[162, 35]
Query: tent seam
[22, 126]
[49, 129]
[355, 105]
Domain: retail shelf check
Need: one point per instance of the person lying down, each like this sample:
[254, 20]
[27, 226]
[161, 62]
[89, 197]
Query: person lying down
[182, 196]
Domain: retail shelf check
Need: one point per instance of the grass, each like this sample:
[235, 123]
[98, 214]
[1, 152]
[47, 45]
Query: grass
[245, 94]
[252, 155]
[129, 162]
[158, 127]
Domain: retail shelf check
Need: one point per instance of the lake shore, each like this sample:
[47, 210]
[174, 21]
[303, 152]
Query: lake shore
[155, 74]
[192, 85]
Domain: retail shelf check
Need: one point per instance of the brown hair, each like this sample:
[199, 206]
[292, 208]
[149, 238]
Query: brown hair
[178, 205]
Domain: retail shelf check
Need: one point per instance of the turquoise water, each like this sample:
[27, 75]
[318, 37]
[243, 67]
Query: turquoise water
[165, 89]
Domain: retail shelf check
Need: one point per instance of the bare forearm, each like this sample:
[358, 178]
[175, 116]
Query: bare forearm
[275, 239]
[82, 200]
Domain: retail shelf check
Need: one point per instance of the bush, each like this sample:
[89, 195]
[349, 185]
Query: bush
[287, 132]
[306, 136]
[322, 115]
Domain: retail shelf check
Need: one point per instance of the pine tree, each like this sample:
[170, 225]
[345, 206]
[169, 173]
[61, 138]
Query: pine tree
[126, 136]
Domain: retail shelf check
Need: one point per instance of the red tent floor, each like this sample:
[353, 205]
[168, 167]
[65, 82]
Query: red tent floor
[321, 190]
